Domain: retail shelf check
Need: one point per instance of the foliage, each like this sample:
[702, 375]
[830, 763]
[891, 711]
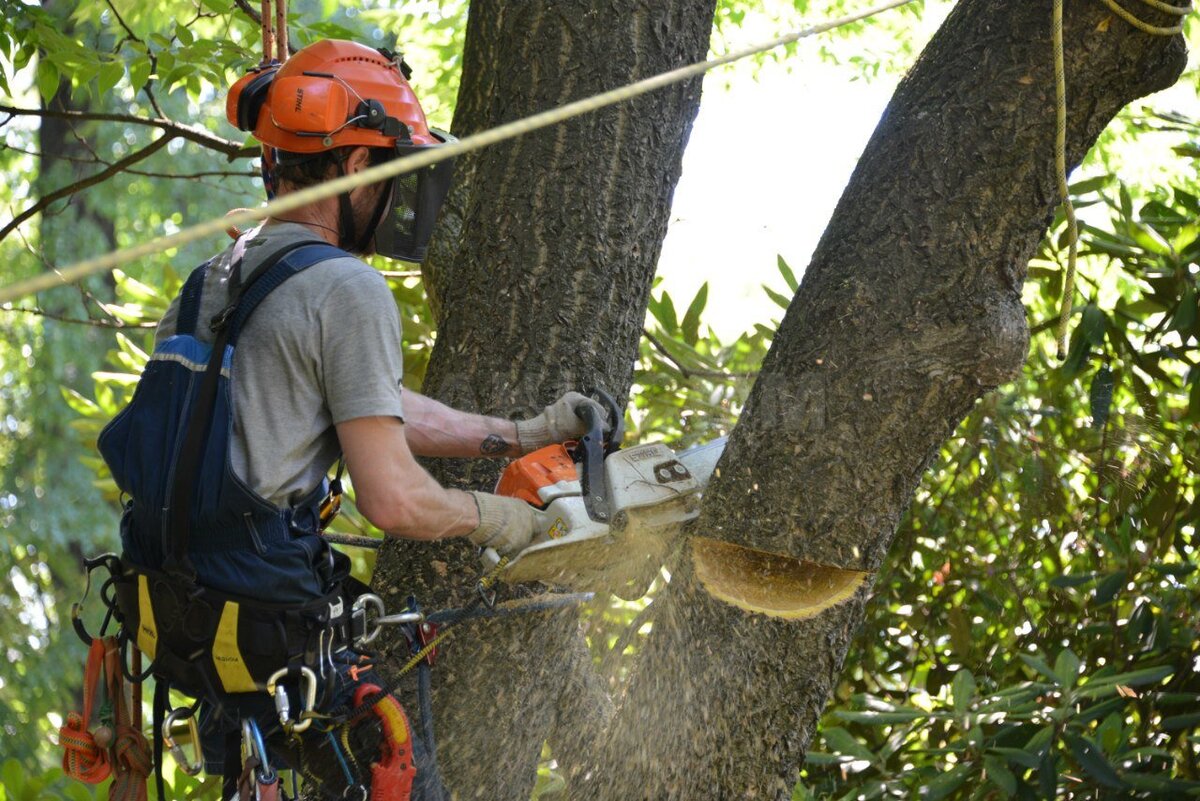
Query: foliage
[1035, 635]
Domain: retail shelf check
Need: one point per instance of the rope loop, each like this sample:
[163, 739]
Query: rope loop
[1066, 306]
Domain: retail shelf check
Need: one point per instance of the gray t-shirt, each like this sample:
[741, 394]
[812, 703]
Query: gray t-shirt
[323, 348]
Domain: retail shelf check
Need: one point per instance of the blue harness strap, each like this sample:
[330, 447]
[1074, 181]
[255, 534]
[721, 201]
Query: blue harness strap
[227, 326]
[189, 300]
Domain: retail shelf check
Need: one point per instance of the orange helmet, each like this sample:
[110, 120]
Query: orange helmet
[330, 94]
[334, 94]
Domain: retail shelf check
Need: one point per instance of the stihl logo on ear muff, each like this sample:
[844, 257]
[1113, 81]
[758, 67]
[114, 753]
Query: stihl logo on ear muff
[316, 107]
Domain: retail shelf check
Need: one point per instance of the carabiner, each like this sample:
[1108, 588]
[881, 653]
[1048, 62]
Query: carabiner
[252, 743]
[370, 626]
[175, 749]
[282, 705]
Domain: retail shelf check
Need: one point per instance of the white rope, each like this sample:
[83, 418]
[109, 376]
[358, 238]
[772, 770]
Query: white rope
[511, 130]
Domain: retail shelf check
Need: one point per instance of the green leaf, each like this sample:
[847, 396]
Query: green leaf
[47, 79]
[789, 277]
[999, 775]
[184, 35]
[110, 74]
[1039, 664]
[1185, 315]
[1180, 722]
[1066, 667]
[1100, 396]
[1040, 742]
[1108, 589]
[1092, 323]
[1091, 758]
[139, 72]
[782, 301]
[1088, 185]
[945, 784]
[690, 327]
[963, 688]
[1017, 756]
[883, 718]
[1072, 580]
[665, 313]
[843, 742]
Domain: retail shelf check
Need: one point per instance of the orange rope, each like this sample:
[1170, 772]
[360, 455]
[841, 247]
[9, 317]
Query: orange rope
[83, 758]
[281, 31]
[268, 36]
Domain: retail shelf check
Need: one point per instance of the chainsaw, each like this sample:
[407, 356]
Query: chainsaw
[605, 515]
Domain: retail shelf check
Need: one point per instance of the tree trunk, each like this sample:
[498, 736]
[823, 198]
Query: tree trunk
[541, 280]
[909, 312]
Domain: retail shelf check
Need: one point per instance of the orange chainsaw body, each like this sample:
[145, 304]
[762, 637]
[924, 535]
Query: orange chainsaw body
[524, 478]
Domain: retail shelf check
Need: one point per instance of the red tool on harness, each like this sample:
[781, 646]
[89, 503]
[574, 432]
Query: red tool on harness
[391, 776]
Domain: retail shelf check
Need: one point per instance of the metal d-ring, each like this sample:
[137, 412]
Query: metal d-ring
[373, 625]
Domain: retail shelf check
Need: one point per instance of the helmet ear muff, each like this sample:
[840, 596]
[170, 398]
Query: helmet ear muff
[251, 98]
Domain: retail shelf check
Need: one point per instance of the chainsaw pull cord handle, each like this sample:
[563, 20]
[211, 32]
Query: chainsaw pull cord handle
[593, 448]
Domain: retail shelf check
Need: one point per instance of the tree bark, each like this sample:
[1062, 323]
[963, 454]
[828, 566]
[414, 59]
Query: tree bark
[540, 277]
[909, 312]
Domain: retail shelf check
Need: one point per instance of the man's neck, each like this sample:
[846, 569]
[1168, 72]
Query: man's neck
[321, 218]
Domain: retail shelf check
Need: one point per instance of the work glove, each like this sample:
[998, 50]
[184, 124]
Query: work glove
[558, 422]
[505, 524]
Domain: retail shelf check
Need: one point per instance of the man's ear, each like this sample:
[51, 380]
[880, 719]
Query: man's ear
[358, 159]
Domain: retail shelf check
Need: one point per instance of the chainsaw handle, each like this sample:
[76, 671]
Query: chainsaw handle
[595, 424]
[593, 449]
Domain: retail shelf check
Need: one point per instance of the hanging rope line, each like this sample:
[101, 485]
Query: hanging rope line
[293, 200]
[1066, 307]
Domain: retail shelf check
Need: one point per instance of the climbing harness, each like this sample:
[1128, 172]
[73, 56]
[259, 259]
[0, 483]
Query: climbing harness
[1060, 139]
[294, 200]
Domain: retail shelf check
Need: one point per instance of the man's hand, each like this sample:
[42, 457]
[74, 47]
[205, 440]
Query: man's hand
[505, 524]
[558, 423]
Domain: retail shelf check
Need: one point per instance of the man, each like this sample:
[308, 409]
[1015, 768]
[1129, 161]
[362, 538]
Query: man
[316, 373]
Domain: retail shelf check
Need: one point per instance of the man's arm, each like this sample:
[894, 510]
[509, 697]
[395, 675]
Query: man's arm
[435, 429]
[393, 491]
[398, 496]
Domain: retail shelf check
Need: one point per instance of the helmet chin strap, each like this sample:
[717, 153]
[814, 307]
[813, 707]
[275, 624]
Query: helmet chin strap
[346, 226]
[347, 230]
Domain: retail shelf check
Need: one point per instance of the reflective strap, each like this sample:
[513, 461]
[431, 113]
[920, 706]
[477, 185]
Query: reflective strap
[147, 633]
[227, 656]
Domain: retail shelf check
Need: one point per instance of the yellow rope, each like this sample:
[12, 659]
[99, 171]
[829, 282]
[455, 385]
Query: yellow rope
[1060, 140]
[1064, 191]
[390, 169]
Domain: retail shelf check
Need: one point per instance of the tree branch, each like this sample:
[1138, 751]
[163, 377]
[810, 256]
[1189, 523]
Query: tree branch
[232, 150]
[91, 321]
[91, 180]
[186, 176]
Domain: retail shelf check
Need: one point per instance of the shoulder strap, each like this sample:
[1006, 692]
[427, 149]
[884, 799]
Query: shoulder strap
[268, 280]
[189, 300]
[227, 327]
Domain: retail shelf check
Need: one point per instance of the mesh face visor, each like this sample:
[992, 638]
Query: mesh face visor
[417, 197]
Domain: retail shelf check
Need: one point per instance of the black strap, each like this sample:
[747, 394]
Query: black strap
[160, 712]
[231, 769]
[228, 326]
